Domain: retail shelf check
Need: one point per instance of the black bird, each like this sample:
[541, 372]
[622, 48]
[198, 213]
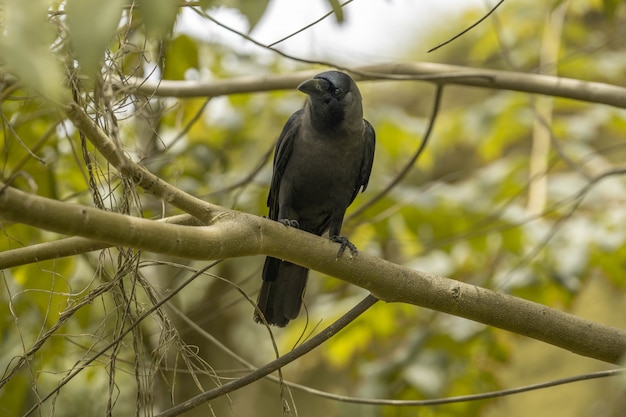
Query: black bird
[323, 158]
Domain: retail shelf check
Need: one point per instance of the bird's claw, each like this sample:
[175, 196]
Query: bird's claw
[345, 243]
[291, 223]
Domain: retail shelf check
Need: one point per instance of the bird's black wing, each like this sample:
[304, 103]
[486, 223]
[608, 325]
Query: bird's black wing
[280, 296]
[284, 145]
[368, 158]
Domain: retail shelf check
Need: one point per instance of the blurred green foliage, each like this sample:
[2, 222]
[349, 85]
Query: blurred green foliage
[461, 212]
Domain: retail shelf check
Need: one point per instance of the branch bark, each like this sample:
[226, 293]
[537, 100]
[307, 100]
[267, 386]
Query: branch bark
[593, 92]
[70, 246]
[235, 234]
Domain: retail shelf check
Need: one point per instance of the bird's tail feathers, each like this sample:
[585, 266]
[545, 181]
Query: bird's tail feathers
[280, 297]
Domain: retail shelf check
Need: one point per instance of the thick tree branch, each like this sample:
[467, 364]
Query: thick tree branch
[234, 234]
[69, 246]
[589, 91]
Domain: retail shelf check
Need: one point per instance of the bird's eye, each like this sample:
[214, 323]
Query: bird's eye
[337, 92]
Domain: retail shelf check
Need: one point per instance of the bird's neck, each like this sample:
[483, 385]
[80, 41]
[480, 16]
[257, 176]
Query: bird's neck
[334, 123]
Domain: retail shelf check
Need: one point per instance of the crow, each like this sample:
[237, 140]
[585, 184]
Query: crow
[323, 158]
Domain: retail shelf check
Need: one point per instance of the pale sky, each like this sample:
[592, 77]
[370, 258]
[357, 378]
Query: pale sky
[374, 31]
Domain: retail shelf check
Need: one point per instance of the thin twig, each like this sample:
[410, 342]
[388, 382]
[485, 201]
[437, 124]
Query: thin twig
[254, 41]
[576, 200]
[301, 350]
[493, 9]
[463, 398]
[63, 317]
[409, 165]
[86, 363]
[147, 180]
[249, 177]
[19, 140]
[189, 125]
[271, 45]
[399, 403]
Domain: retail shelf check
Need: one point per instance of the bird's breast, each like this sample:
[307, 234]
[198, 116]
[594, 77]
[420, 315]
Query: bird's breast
[323, 172]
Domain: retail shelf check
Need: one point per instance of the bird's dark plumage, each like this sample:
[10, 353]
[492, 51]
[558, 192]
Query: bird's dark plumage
[323, 158]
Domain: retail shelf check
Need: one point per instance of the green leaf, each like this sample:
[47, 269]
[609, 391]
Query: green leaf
[25, 48]
[253, 10]
[205, 4]
[91, 25]
[181, 54]
[158, 16]
[337, 10]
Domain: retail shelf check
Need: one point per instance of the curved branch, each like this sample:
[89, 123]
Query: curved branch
[589, 91]
[409, 165]
[235, 234]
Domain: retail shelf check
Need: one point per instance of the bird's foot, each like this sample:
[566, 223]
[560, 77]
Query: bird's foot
[291, 223]
[345, 243]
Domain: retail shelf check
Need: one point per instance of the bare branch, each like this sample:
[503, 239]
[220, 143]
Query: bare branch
[460, 398]
[589, 91]
[69, 246]
[235, 234]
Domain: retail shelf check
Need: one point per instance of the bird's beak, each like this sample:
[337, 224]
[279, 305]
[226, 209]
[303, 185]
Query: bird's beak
[314, 87]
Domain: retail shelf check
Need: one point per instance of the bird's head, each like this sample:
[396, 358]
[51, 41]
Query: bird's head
[333, 99]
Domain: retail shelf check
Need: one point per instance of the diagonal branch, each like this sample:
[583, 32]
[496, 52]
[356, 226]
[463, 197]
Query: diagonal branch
[276, 364]
[147, 180]
[472, 26]
[236, 234]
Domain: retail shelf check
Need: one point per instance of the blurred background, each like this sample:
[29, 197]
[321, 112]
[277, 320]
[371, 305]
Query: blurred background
[518, 193]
